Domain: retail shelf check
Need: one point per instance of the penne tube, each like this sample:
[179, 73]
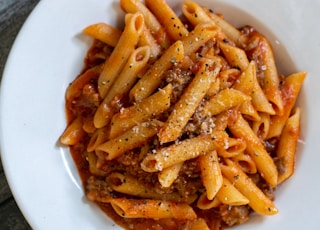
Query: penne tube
[147, 39]
[228, 194]
[261, 127]
[77, 85]
[195, 13]
[152, 23]
[270, 76]
[232, 147]
[198, 37]
[98, 137]
[152, 79]
[290, 90]
[236, 57]
[214, 88]
[177, 153]
[134, 6]
[123, 83]
[221, 121]
[73, 133]
[140, 112]
[228, 77]
[103, 32]
[168, 175]
[286, 150]
[204, 203]
[155, 209]
[167, 18]
[128, 76]
[258, 201]
[210, 173]
[224, 100]
[93, 162]
[131, 139]
[259, 99]
[125, 46]
[246, 163]
[130, 185]
[189, 101]
[245, 82]
[249, 112]
[265, 165]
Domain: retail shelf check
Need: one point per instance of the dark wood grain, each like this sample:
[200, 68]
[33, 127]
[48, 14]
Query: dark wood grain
[13, 14]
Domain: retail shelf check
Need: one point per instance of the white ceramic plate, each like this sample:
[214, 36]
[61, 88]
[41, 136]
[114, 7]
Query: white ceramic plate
[48, 54]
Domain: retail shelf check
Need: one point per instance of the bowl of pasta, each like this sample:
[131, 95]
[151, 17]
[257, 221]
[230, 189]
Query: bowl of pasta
[164, 114]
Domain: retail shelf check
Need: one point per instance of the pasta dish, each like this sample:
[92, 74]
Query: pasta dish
[181, 121]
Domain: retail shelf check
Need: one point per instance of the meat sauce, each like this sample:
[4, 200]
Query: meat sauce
[188, 183]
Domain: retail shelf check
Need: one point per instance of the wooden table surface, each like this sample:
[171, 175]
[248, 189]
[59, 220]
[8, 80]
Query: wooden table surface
[13, 14]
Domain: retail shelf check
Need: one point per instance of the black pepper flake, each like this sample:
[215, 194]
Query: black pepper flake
[225, 40]
[236, 177]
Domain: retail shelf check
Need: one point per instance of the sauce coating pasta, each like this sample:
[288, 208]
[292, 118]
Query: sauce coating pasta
[183, 121]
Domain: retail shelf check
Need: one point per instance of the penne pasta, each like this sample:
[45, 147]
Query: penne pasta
[156, 209]
[201, 34]
[73, 133]
[232, 147]
[261, 127]
[270, 76]
[286, 150]
[130, 185]
[188, 102]
[125, 46]
[257, 199]
[195, 13]
[147, 108]
[225, 100]
[246, 163]
[265, 165]
[151, 80]
[168, 175]
[210, 173]
[103, 32]
[205, 204]
[229, 195]
[127, 77]
[235, 56]
[177, 153]
[134, 6]
[129, 140]
[78, 84]
[167, 18]
[260, 100]
[290, 90]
